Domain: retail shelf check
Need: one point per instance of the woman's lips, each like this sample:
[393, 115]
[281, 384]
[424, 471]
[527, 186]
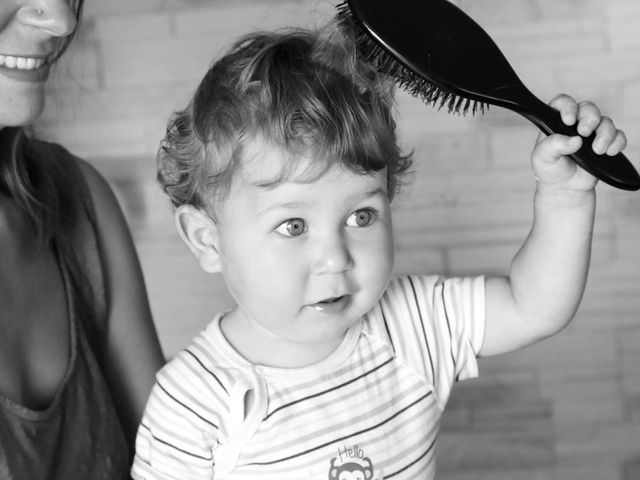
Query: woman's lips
[21, 63]
[27, 69]
[332, 305]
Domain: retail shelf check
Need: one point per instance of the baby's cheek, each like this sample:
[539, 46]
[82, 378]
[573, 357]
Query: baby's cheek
[383, 260]
[376, 271]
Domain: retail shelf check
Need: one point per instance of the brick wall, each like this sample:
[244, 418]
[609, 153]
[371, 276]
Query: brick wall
[568, 408]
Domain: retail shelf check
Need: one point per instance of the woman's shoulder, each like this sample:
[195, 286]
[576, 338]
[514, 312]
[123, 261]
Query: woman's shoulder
[45, 149]
[64, 158]
[73, 176]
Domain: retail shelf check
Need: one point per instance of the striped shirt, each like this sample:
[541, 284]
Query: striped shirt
[372, 408]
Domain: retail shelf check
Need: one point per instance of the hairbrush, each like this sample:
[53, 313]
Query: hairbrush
[436, 52]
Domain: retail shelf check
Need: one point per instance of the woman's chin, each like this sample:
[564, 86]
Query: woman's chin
[18, 112]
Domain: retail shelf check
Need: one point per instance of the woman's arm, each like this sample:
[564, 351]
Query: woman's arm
[132, 355]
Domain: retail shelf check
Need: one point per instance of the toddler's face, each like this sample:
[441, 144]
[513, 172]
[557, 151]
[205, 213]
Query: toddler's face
[304, 260]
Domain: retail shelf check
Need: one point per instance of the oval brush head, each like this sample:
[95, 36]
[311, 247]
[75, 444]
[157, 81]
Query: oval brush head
[436, 52]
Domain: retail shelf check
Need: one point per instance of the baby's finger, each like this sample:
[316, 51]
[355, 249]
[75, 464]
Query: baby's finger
[618, 144]
[552, 148]
[605, 134]
[549, 160]
[589, 117]
[567, 107]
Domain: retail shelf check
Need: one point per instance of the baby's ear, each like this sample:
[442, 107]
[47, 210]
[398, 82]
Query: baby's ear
[200, 233]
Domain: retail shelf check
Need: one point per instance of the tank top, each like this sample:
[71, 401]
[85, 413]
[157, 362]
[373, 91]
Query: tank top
[78, 436]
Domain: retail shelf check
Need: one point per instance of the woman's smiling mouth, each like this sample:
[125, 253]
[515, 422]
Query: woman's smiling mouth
[25, 69]
[21, 63]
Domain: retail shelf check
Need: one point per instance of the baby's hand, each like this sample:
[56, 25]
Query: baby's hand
[550, 165]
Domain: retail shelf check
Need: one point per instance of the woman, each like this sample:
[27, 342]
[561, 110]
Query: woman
[78, 349]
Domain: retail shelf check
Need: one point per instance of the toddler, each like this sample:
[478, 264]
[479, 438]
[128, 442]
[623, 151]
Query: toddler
[282, 169]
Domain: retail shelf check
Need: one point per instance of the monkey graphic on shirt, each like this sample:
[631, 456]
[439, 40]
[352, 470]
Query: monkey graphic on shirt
[351, 464]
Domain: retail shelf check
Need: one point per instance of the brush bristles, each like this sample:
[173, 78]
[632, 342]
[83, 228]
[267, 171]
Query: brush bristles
[404, 77]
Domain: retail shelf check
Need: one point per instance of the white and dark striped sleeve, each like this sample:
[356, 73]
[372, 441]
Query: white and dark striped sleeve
[461, 304]
[438, 326]
[179, 428]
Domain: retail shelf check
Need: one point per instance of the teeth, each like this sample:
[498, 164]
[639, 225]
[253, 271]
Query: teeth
[21, 63]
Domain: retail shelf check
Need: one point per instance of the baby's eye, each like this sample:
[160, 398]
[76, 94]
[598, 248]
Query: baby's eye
[361, 218]
[292, 227]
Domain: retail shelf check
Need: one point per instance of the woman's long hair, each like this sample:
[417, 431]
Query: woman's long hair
[27, 179]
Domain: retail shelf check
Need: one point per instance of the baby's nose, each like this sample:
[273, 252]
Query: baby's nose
[334, 255]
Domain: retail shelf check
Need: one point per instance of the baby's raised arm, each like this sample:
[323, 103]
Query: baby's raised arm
[548, 274]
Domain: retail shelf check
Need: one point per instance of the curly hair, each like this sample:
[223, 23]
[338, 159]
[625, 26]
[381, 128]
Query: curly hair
[304, 91]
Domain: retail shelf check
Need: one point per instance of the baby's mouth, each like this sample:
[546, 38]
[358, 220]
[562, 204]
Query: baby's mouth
[332, 305]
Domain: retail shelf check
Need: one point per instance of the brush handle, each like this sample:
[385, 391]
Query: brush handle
[616, 170]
